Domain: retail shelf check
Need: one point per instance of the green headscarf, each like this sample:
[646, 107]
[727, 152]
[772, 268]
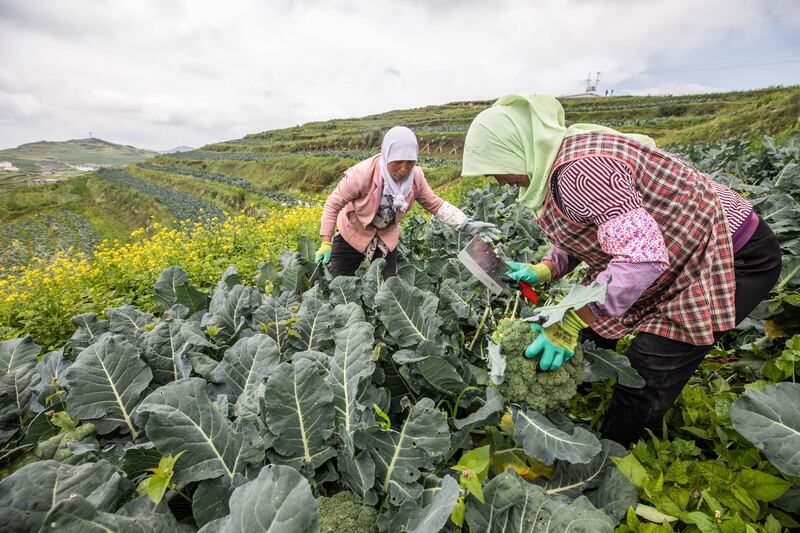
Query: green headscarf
[522, 135]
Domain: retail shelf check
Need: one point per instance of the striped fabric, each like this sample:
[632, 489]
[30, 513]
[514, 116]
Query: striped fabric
[597, 189]
[694, 297]
[736, 208]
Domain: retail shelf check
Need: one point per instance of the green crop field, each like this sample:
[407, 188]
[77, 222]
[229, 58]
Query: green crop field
[294, 166]
[203, 373]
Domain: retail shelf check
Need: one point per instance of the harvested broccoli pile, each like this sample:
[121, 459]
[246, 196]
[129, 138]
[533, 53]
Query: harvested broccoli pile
[524, 384]
[342, 513]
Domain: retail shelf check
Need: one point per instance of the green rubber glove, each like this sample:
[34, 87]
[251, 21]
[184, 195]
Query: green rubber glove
[556, 344]
[324, 253]
[530, 274]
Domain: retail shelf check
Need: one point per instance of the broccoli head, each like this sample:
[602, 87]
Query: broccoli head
[513, 335]
[524, 383]
[342, 513]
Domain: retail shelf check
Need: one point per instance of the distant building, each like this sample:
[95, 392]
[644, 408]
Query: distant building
[42, 181]
[85, 167]
[7, 166]
[580, 95]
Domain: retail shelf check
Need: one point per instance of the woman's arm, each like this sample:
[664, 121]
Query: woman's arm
[560, 262]
[345, 192]
[426, 197]
[601, 191]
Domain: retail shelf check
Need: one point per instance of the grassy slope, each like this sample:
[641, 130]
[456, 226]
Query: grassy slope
[95, 151]
[310, 158]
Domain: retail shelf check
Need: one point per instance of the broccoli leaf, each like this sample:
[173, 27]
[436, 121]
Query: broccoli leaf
[89, 330]
[230, 309]
[273, 317]
[408, 313]
[438, 503]
[353, 363]
[279, 499]
[244, 367]
[400, 455]
[579, 296]
[173, 287]
[543, 440]
[770, 419]
[128, 321]
[607, 364]
[313, 323]
[492, 406]
[514, 505]
[107, 381]
[345, 290]
[297, 406]
[18, 377]
[166, 348]
[27, 495]
[179, 416]
[78, 514]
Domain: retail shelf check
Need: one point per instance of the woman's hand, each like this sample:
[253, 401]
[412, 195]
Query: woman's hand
[530, 274]
[324, 252]
[556, 344]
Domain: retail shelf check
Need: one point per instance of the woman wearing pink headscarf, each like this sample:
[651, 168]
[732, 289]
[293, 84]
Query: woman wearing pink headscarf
[372, 198]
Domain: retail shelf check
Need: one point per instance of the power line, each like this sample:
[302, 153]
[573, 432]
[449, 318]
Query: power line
[725, 66]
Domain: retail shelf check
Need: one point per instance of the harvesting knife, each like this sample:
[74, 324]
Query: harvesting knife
[479, 258]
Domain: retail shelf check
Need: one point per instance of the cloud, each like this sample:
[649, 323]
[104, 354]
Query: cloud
[160, 73]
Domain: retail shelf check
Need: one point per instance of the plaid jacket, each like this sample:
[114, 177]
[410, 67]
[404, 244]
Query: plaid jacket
[694, 297]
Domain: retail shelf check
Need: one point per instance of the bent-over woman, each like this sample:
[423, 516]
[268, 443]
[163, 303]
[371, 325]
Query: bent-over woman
[367, 205]
[687, 258]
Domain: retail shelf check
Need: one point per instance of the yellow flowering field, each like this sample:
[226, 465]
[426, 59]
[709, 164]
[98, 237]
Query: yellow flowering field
[41, 298]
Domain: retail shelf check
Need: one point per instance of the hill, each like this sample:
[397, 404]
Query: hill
[297, 165]
[61, 156]
[176, 149]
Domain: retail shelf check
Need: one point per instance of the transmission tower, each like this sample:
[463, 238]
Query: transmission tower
[592, 87]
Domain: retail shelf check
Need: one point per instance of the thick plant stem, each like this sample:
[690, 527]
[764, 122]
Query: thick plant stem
[787, 279]
[480, 327]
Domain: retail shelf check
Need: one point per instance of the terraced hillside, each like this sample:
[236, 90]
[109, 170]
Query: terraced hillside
[295, 166]
[311, 157]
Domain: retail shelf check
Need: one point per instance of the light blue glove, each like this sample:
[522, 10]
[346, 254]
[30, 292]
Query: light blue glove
[323, 254]
[556, 343]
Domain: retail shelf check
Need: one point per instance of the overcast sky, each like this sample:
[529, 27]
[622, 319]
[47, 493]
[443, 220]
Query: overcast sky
[161, 73]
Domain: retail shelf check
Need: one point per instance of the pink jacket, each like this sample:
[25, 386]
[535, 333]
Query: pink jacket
[353, 203]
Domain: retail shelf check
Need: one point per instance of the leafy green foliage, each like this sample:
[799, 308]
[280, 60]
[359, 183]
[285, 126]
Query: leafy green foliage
[292, 390]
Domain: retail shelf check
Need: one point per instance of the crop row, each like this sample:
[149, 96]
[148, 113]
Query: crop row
[199, 155]
[233, 181]
[181, 205]
[45, 234]
[656, 103]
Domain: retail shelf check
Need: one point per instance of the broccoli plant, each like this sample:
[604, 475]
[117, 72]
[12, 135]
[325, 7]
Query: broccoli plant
[524, 383]
[342, 513]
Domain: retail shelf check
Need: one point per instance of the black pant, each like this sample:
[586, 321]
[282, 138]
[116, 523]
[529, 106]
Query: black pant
[345, 259]
[666, 364]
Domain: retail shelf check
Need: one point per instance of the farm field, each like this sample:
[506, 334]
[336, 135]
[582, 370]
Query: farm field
[297, 165]
[146, 382]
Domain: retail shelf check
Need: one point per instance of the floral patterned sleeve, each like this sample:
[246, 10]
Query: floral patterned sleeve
[601, 191]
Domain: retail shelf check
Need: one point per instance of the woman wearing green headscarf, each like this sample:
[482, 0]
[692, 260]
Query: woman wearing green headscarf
[685, 258]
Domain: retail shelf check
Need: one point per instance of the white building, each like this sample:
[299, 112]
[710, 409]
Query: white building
[6, 166]
[85, 167]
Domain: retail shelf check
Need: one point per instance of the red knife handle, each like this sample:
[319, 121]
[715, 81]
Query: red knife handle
[528, 292]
